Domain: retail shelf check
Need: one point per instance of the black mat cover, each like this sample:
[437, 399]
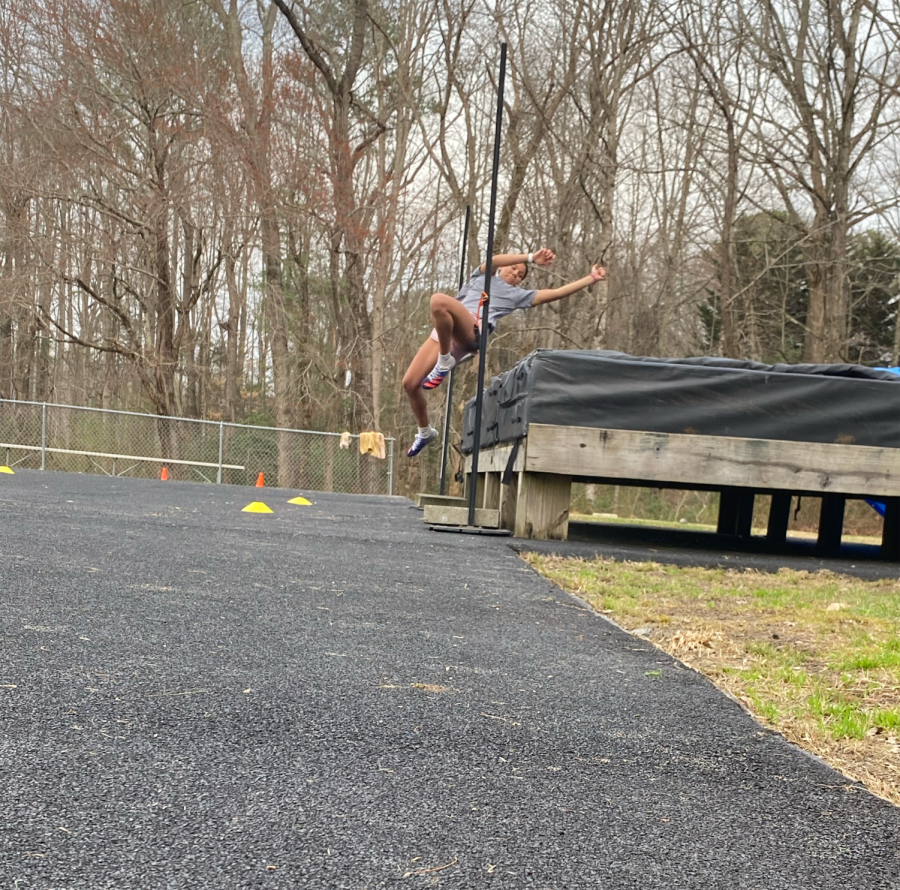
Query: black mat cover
[847, 404]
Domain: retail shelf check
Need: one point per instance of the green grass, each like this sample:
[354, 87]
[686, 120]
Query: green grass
[634, 520]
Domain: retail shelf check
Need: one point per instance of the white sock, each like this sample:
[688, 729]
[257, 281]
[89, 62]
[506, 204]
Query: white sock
[445, 362]
[424, 430]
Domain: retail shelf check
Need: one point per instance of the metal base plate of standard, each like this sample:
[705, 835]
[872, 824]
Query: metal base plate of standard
[472, 530]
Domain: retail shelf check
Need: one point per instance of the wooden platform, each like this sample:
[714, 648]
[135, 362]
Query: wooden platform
[436, 515]
[536, 502]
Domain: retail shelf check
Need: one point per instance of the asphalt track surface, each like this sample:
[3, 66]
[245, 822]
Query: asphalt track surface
[335, 697]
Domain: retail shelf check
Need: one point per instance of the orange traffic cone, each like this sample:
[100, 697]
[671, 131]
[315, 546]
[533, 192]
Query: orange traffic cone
[260, 481]
[164, 474]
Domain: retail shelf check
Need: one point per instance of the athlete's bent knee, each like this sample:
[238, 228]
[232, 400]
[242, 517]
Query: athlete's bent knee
[440, 303]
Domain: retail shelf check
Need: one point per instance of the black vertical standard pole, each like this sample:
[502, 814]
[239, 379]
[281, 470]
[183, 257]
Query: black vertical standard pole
[449, 402]
[488, 265]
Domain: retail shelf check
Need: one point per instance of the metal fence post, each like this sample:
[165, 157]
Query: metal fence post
[390, 467]
[221, 447]
[44, 436]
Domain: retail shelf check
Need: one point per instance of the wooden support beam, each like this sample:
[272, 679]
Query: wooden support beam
[479, 491]
[736, 512]
[492, 491]
[779, 518]
[747, 498]
[727, 519]
[509, 499]
[764, 464]
[890, 537]
[831, 525]
[543, 506]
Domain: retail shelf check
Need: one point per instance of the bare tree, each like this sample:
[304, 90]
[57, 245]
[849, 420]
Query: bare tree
[543, 68]
[339, 66]
[716, 48]
[20, 171]
[837, 67]
[400, 63]
[257, 104]
[620, 41]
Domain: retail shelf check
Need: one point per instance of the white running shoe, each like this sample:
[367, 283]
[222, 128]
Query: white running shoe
[437, 375]
[421, 441]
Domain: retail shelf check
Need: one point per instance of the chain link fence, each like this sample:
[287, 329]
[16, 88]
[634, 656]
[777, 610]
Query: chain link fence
[37, 435]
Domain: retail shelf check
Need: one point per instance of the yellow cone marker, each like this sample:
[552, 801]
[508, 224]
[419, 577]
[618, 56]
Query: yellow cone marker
[7, 470]
[257, 507]
[301, 501]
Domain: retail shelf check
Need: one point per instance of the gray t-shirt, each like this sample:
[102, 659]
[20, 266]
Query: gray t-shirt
[504, 297]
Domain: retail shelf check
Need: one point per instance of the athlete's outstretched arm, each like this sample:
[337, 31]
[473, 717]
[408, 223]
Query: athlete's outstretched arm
[542, 257]
[550, 295]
